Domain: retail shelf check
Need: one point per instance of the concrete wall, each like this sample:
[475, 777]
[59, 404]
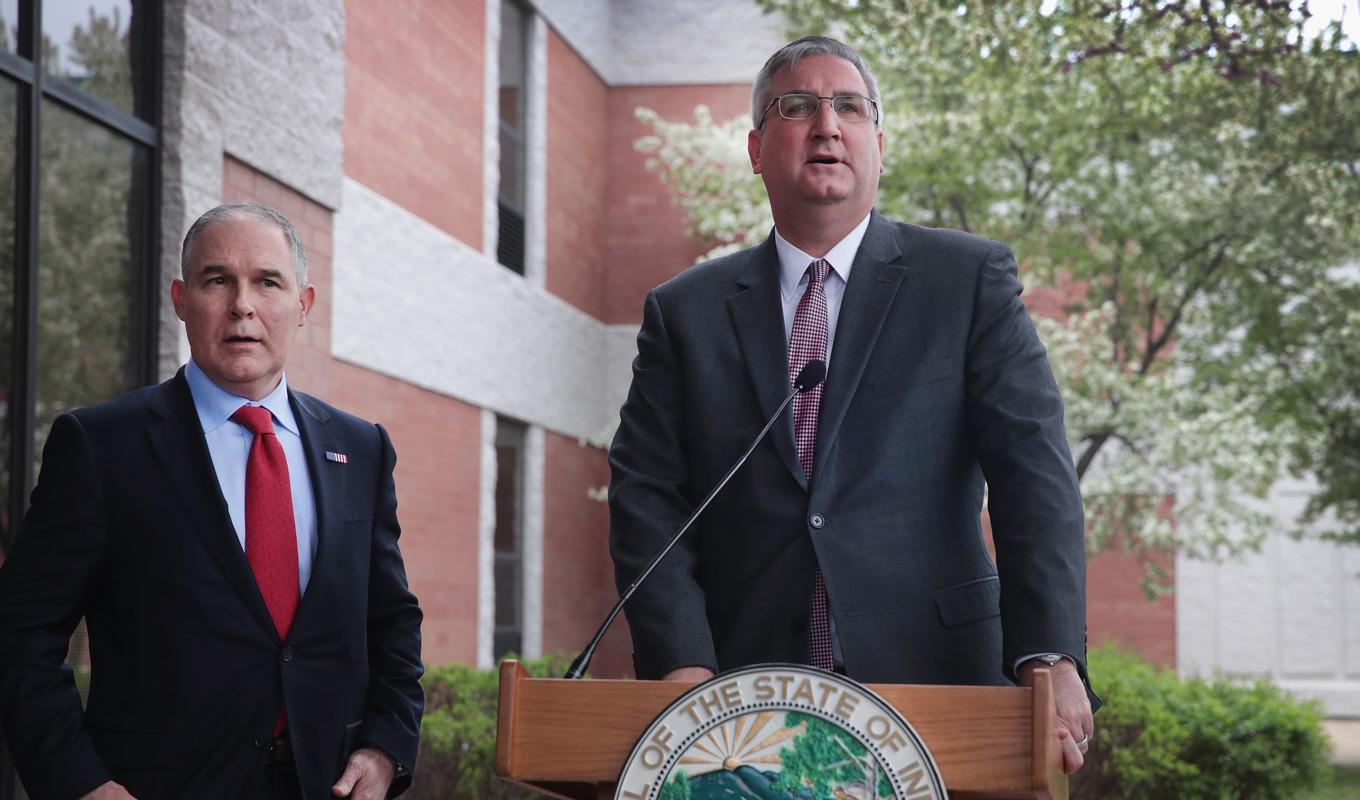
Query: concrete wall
[1290, 612]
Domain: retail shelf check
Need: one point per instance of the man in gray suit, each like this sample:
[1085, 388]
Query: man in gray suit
[852, 538]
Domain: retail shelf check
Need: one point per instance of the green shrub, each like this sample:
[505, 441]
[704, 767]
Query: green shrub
[1161, 737]
[458, 733]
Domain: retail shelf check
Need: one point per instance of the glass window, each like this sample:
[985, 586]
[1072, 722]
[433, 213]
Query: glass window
[508, 578]
[513, 85]
[9, 121]
[90, 44]
[9, 25]
[90, 224]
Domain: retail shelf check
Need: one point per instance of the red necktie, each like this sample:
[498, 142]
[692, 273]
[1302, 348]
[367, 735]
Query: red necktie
[807, 342]
[271, 538]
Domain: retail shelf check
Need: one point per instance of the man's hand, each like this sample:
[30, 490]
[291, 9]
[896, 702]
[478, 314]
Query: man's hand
[367, 775]
[1075, 726]
[690, 674]
[108, 790]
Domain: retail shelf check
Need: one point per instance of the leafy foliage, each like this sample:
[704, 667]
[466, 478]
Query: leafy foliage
[824, 754]
[1158, 736]
[458, 732]
[1186, 173]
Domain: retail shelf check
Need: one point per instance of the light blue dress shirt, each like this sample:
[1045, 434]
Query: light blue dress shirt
[229, 443]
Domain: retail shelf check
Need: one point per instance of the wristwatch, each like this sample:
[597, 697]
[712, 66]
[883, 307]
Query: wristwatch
[1049, 659]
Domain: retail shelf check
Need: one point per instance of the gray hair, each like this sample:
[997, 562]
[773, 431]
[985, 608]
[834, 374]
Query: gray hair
[790, 54]
[246, 210]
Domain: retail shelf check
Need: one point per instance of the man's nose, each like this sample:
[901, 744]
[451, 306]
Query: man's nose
[242, 305]
[825, 123]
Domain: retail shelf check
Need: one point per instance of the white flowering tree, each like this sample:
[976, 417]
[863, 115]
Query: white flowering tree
[1194, 166]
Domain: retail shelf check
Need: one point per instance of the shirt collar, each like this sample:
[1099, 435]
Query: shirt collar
[793, 263]
[215, 405]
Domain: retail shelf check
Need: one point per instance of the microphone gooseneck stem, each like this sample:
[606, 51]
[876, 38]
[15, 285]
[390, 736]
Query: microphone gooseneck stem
[808, 378]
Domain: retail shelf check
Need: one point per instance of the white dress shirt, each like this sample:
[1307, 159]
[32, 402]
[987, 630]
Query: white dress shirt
[793, 278]
[229, 443]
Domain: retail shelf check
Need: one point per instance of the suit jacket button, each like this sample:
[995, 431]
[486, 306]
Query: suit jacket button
[817, 521]
[261, 742]
[287, 654]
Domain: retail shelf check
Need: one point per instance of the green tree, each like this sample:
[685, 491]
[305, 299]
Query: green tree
[1187, 173]
[677, 788]
[825, 757]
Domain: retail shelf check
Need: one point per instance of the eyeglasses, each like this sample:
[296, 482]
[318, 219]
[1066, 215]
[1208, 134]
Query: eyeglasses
[799, 106]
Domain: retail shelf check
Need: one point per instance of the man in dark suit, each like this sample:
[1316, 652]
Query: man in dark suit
[232, 546]
[851, 540]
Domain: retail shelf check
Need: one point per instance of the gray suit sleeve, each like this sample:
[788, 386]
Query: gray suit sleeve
[648, 501]
[1016, 416]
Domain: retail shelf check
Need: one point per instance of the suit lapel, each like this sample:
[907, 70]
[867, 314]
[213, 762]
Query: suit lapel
[874, 280]
[758, 317]
[178, 442]
[328, 483]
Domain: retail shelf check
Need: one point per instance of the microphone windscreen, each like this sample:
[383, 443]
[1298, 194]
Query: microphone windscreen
[810, 376]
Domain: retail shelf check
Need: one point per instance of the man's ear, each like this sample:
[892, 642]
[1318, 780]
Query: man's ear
[306, 300]
[177, 297]
[753, 149]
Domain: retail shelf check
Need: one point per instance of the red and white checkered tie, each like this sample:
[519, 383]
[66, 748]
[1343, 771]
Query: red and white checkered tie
[807, 342]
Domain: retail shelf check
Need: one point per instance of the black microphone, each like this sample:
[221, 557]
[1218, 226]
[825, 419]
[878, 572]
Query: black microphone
[809, 377]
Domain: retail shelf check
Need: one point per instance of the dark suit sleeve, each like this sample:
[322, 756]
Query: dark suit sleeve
[1016, 417]
[648, 503]
[395, 699]
[44, 586]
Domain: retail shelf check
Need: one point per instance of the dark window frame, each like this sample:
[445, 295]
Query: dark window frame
[511, 238]
[26, 70]
[511, 437]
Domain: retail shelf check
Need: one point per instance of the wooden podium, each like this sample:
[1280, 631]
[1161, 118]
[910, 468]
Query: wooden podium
[569, 739]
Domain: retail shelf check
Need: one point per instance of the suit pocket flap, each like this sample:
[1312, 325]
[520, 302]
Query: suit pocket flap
[969, 602]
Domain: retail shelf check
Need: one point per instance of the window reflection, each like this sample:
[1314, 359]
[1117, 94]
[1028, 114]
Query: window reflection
[9, 100]
[90, 44]
[87, 282]
[9, 26]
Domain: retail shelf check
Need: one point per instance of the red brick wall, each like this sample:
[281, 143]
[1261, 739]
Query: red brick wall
[577, 152]
[437, 439]
[413, 107]
[646, 242]
[438, 443]
[1118, 611]
[578, 576]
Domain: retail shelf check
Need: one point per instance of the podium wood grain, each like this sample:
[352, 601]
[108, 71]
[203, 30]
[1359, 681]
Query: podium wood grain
[570, 739]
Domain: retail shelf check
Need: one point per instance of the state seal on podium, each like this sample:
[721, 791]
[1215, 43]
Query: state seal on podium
[780, 732]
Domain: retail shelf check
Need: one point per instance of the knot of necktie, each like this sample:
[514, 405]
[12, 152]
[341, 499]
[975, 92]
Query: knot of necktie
[819, 269]
[257, 418]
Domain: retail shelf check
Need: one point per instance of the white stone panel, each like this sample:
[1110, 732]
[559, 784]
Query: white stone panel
[659, 42]
[536, 156]
[532, 543]
[1291, 612]
[486, 544]
[1247, 642]
[584, 24]
[1310, 610]
[1196, 610]
[1350, 614]
[414, 303]
[667, 42]
[274, 73]
[620, 349]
